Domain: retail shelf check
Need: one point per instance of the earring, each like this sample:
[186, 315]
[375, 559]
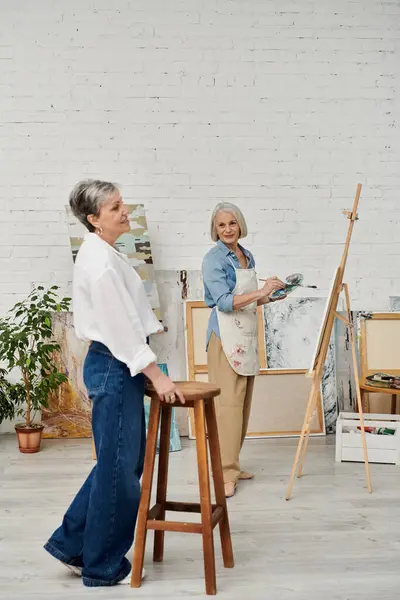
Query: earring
[99, 231]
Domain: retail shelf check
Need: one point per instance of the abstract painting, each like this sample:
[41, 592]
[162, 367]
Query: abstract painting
[69, 411]
[329, 389]
[291, 333]
[135, 244]
[345, 382]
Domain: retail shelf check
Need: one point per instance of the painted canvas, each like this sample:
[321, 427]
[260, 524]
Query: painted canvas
[135, 244]
[329, 389]
[291, 330]
[69, 411]
[291, 334]
[346, 387]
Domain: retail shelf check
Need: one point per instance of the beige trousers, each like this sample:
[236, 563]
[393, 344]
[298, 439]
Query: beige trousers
[232, 407]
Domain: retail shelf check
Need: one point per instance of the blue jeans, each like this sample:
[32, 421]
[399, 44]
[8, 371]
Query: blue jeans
[98, 527]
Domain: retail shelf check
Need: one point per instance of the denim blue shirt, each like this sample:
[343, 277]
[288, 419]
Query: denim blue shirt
[219, 280]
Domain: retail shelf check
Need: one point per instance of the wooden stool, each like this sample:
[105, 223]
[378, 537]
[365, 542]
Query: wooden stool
[199, 396]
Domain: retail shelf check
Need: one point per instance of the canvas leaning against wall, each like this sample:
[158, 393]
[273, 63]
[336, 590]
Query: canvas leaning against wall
[69, 411]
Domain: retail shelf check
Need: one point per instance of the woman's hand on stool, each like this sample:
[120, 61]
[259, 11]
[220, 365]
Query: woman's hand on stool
[168, 391]
[164, 386]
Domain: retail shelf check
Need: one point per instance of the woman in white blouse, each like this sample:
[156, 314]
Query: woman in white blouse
[111, 310]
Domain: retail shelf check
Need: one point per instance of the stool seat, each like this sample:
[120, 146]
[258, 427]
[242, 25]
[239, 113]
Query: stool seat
[192, 391]
[200, 396]
[372, 389]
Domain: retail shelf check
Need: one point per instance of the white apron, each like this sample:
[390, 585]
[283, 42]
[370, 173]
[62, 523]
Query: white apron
[239, 329]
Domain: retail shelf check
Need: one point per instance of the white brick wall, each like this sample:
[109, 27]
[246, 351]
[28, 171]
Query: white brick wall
[280, 106]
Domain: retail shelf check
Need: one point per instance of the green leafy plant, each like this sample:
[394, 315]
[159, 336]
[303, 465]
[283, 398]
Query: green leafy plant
[27, 344]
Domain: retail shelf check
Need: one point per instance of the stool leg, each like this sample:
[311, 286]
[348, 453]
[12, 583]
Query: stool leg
[205, 498]
[394, 404]
[162, 480]
[363, 401]
[367, 403]
[147, 481]
[215, 454]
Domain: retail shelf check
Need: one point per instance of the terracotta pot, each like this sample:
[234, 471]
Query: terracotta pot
[29, 438]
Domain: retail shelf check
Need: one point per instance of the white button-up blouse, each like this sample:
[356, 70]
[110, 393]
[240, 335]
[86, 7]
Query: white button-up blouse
[110, 304]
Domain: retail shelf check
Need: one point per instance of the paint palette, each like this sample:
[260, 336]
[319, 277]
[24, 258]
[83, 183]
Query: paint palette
[292, 282]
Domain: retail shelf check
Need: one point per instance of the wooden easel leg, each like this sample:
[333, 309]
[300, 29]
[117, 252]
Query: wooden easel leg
[307, 437]
[357, 380]
[304, 451]
[309, 412]
[147, 481]
[162, 479]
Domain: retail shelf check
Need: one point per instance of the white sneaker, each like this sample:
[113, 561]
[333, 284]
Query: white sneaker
[75, 570]
[127, 579]
[78, 572]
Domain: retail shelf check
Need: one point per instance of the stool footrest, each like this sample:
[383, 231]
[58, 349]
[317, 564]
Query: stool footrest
[178, 526]
[190, 507]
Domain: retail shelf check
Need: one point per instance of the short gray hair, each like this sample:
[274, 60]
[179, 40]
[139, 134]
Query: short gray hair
[231, 208]
[87, 197]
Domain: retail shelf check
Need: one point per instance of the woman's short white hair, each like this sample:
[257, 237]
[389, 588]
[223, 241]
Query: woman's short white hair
[87, 197]
[231, 208]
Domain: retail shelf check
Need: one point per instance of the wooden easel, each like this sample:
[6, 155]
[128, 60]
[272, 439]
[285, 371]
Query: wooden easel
[321, 353]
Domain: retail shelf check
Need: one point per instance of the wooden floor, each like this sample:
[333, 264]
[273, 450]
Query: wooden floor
[331, 541]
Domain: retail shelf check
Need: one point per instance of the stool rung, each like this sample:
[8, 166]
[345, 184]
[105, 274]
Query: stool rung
[190, 507]
[177, 526]
[154, 512]
[180, 526]
[217, 515]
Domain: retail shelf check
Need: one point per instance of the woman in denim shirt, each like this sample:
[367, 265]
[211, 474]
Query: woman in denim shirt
[231, 290]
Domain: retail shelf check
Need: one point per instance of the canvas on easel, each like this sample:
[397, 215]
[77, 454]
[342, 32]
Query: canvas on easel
[320, 354]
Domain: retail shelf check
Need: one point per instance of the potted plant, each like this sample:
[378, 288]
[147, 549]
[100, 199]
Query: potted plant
[27, 346]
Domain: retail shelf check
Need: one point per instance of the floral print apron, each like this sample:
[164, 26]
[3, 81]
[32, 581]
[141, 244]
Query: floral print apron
[239, 328]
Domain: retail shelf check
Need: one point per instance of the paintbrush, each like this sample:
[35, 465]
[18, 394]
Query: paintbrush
[314, 287]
